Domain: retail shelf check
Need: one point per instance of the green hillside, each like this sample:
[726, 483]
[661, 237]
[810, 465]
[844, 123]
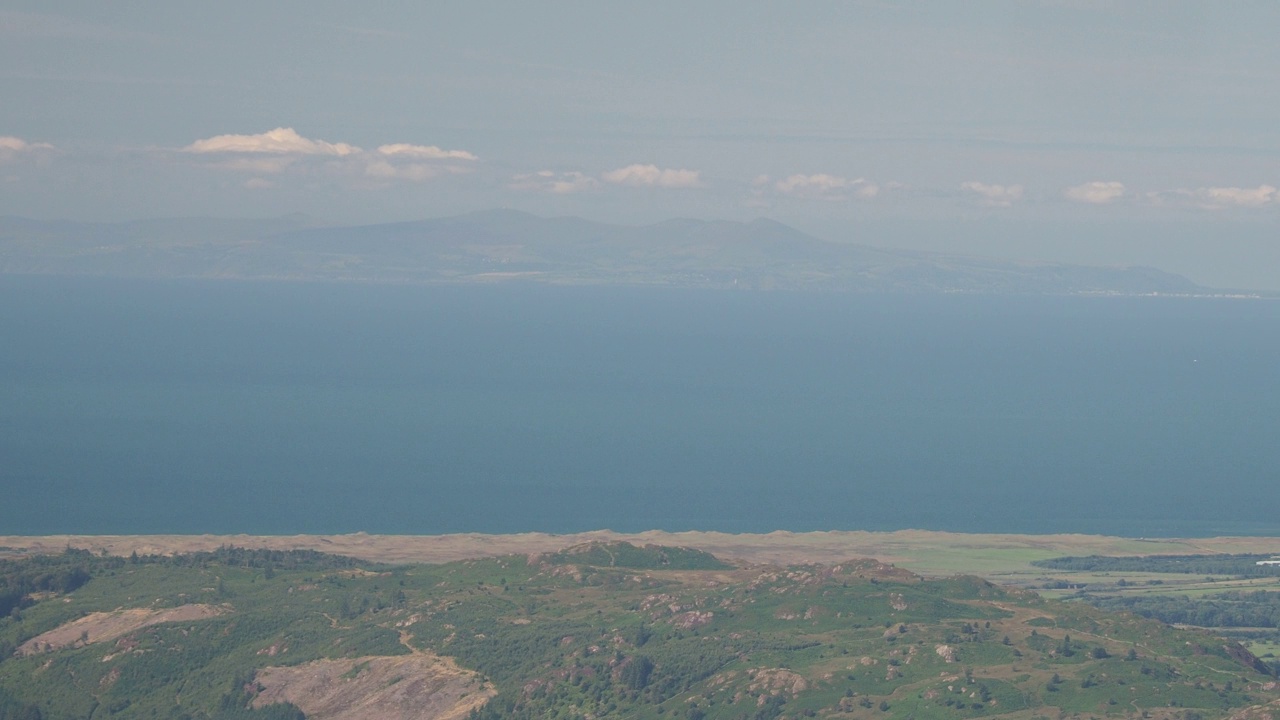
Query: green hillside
[626, 555]
[596, 631]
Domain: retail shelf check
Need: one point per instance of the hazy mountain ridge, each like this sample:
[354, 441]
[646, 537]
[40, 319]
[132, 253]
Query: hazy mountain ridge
[505, 245]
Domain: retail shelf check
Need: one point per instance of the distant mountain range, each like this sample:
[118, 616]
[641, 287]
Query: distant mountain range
[505, 246]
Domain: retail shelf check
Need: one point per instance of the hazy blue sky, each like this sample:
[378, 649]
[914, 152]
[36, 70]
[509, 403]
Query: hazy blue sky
[1078, 130]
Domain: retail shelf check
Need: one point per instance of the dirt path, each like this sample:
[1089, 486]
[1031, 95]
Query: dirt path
[406, 638]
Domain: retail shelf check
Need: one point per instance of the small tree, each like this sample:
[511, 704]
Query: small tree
[635, 674]
[641, 636]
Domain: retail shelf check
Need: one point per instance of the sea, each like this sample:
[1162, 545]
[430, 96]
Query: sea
[149, 406]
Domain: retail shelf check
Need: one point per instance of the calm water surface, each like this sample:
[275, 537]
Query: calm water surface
[224, 407]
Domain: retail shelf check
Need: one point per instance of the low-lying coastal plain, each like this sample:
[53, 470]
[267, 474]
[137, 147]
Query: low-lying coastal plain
[1002, 558]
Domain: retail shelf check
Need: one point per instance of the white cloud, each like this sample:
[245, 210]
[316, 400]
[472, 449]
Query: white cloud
[283, 149]
[820, 184]
[416, 172]
[281, 141]
[12, 148]
[1097, 192]
[653, 176]
[994, 195]
[258, 183]
[14, 144]
[826, 187]
[565, 183]
[424, 152]
[1223, 197]
[801, 184]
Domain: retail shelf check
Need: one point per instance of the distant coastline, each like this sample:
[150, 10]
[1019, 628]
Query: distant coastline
[503, 246]
[922, 551]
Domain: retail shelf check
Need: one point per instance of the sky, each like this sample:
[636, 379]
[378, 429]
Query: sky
[1090, 131]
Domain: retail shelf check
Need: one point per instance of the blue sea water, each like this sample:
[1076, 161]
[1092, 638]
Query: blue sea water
[278, 408]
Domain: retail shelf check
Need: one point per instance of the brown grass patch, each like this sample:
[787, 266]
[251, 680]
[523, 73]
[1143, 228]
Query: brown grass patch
[104, 626]
[408, 687]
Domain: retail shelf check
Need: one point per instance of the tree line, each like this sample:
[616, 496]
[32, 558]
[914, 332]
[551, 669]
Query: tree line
[1241, 565]
[1258, 608]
